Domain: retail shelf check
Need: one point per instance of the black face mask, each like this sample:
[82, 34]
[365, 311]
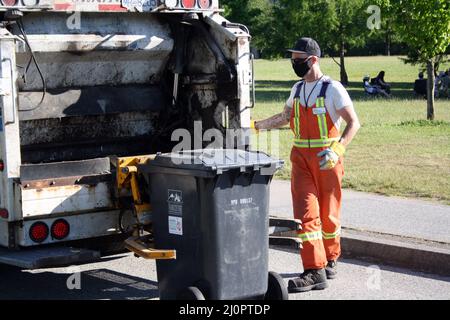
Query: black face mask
[301, 68]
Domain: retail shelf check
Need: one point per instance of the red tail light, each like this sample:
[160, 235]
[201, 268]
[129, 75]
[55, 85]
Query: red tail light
[4, 213]
[38, 232]
[188, 3]
[204, 4]
[9, 3]
[60, 229]
[2, 165]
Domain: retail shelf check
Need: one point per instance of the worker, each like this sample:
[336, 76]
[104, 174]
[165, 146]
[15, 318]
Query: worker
[315, 110]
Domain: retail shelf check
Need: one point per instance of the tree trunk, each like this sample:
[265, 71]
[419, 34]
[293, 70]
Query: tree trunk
[430, 91]
[388, 43]
[388, 39]
[344, 76]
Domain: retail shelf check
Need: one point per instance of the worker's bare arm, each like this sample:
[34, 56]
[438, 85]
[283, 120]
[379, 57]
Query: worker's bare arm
[276, 121]
[353, 125]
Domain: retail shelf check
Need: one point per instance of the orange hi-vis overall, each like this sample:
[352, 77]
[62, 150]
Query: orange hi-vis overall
[316, 193]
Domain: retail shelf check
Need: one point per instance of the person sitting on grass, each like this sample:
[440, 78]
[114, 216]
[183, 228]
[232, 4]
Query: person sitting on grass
[372, 89]
[444, 82]
[420, 86]
[379, 82]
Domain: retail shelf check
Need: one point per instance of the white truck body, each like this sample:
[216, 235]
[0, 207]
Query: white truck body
[110, 73]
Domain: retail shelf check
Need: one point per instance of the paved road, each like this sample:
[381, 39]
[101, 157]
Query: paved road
[126, 277]
[393, 215]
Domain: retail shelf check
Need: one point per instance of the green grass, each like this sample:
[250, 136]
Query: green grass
[397, 151]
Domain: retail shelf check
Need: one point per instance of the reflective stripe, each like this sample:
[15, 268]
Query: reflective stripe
[320, 102]
[314, 143]
[332, 235]
[322, 126]
[322, 119]
[297, 117]
[310, 236]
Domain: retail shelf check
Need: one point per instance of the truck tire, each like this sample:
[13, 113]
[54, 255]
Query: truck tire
[277, 289]
[191, 293]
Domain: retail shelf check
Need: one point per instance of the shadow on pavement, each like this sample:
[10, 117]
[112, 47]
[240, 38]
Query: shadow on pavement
[102, 283]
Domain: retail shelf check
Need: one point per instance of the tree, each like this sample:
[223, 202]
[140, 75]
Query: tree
[424, 25]
[348, 28]
[386, 34]
[243, 12]
[239, 11]
[335, 24]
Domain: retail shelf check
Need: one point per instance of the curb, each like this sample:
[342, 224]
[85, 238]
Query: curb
[409, 253]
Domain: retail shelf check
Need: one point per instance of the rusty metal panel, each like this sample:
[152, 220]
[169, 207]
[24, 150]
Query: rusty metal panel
[67, 181]
[90, 101]
[50, 31]
[66, 70]
[96, 42]
[66, 139]
[105, 49]
[70, 130]
[65, 199]
[65, 169]
[96, 148]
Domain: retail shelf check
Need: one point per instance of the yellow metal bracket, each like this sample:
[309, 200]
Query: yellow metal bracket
[140, 246]
[127, 179]
[126, 168]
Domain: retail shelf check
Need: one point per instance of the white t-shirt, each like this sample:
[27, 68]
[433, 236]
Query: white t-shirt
[336, 97]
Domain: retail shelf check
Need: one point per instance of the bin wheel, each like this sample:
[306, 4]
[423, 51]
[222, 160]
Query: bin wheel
[191, 293]
[277, 289]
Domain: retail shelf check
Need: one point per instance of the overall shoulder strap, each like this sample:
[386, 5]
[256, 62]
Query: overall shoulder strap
[324, 88]
[297, 91]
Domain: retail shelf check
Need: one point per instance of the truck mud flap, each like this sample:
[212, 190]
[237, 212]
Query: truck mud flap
[36, 258]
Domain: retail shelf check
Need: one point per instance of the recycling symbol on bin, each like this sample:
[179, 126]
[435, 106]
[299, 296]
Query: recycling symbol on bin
[175, 196]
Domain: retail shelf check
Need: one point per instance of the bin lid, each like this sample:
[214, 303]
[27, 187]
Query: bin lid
[214, 161]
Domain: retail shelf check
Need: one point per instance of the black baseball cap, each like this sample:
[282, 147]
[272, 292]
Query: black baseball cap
[308, 46]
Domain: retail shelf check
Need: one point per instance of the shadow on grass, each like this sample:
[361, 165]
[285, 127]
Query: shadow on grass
[267, 91]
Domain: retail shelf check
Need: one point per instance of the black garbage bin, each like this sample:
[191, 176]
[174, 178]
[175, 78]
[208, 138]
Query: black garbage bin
[211, 206]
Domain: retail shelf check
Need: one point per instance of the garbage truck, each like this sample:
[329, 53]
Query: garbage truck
[90, 89]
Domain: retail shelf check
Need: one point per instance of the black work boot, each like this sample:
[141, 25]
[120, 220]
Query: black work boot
[309, 280]
[331, 269]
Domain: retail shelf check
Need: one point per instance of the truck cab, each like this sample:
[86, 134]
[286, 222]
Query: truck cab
[84, 83]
